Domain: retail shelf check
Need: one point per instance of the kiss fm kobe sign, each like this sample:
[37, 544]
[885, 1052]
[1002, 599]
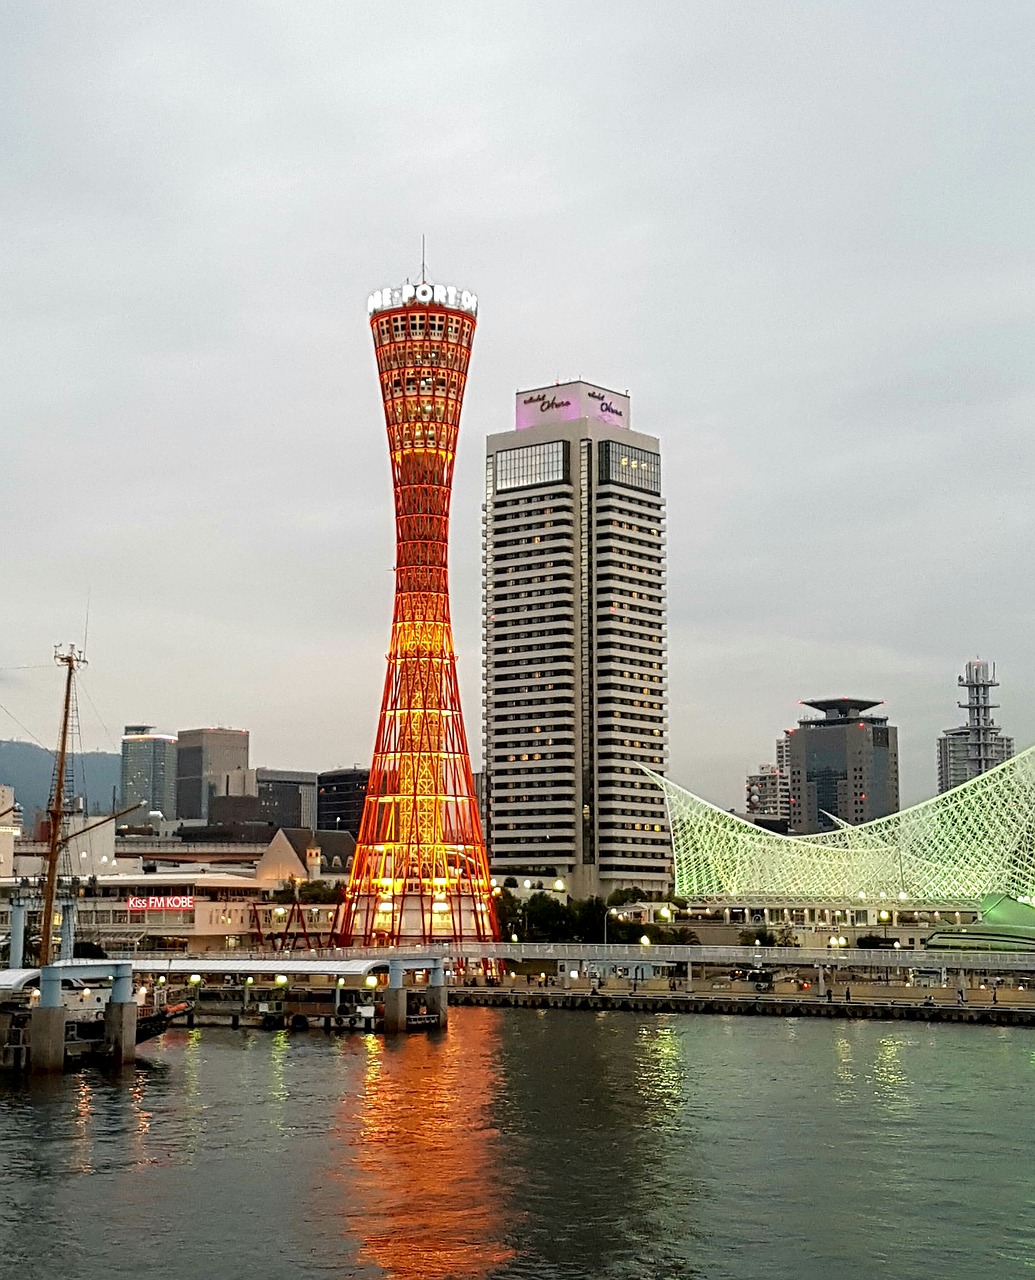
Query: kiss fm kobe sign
[568, 402]
[405, 295]
[174, 902]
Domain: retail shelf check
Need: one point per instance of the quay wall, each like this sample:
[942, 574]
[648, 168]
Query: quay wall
[778, 1006]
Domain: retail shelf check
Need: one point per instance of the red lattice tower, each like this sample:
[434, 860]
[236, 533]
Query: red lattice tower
[420, 872]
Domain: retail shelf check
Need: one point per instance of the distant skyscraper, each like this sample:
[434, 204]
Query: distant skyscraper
[287, 797]
[844, 766]
[340, 794]
[576, 686]
[978, 745]
[204, 757]
[148, 772]
[767, 793]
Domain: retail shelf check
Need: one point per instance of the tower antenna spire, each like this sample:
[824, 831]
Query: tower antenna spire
[423, 261]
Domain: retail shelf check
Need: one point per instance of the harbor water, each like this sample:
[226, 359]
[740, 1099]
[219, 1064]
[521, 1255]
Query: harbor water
[533, 1145]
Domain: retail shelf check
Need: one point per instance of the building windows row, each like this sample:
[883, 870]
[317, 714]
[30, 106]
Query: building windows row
[636, 468]
[531, 465]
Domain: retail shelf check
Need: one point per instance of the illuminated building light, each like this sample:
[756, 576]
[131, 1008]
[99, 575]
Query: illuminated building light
[955, 848]
[420, 835]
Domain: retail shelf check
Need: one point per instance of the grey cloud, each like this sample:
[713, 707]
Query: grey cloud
[799, 234]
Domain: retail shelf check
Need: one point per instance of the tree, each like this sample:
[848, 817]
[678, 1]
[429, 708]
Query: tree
[508, 914]
[310, 891]
[757, 937]
[547, 919]
[587, 919]
[621, 896]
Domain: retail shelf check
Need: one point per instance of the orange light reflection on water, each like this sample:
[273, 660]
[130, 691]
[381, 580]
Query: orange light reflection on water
[425, 1203]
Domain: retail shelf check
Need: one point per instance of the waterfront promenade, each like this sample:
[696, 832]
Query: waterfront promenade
[868, 1001]
[944, 987]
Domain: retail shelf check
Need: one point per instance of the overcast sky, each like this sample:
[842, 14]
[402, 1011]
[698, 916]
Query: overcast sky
[799, 234]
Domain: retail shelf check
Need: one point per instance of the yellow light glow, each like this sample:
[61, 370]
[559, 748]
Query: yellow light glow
[371, 980]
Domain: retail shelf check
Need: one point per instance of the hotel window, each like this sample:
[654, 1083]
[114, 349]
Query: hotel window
[634, 468]
[533, 465]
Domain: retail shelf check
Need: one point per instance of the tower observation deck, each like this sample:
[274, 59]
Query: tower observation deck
[420, 873]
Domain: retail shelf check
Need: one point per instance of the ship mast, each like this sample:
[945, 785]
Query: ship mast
[71, 660]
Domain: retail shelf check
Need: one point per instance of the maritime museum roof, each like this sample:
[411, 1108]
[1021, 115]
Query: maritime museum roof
[976, 839]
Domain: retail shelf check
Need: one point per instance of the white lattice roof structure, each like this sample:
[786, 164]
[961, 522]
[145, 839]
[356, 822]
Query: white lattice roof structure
[975, 839]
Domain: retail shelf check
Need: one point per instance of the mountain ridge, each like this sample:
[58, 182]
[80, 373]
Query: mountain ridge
[29, 769]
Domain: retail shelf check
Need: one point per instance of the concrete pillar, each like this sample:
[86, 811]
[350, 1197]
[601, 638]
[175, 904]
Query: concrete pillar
[395, 1009]
[120, 1030]
[17, 934]
[122, 982]
[438, 993]
[47, 1039]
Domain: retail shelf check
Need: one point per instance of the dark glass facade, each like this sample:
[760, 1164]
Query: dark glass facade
[340, 794]
[843, 766]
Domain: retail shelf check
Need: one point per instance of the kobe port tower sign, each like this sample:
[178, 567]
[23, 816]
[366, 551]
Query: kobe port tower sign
[420, 872]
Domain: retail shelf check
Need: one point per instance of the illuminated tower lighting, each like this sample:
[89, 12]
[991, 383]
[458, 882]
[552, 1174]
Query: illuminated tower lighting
[420, 873]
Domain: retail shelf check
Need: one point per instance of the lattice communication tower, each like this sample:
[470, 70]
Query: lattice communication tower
[420, 873]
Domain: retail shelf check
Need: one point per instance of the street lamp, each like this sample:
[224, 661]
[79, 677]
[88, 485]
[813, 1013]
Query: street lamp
[612, 912]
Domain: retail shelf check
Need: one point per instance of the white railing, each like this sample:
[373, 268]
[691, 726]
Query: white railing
[624, 954]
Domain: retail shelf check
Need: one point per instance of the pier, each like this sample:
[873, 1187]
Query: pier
[864, 1006]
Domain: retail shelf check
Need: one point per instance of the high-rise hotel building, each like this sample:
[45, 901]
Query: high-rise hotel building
[575, 645]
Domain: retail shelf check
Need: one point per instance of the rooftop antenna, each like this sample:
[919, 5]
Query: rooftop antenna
[423, 262]
[86, 627]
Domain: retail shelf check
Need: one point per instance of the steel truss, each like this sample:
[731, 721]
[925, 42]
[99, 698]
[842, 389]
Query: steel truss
[977, 838]
[420, 873]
